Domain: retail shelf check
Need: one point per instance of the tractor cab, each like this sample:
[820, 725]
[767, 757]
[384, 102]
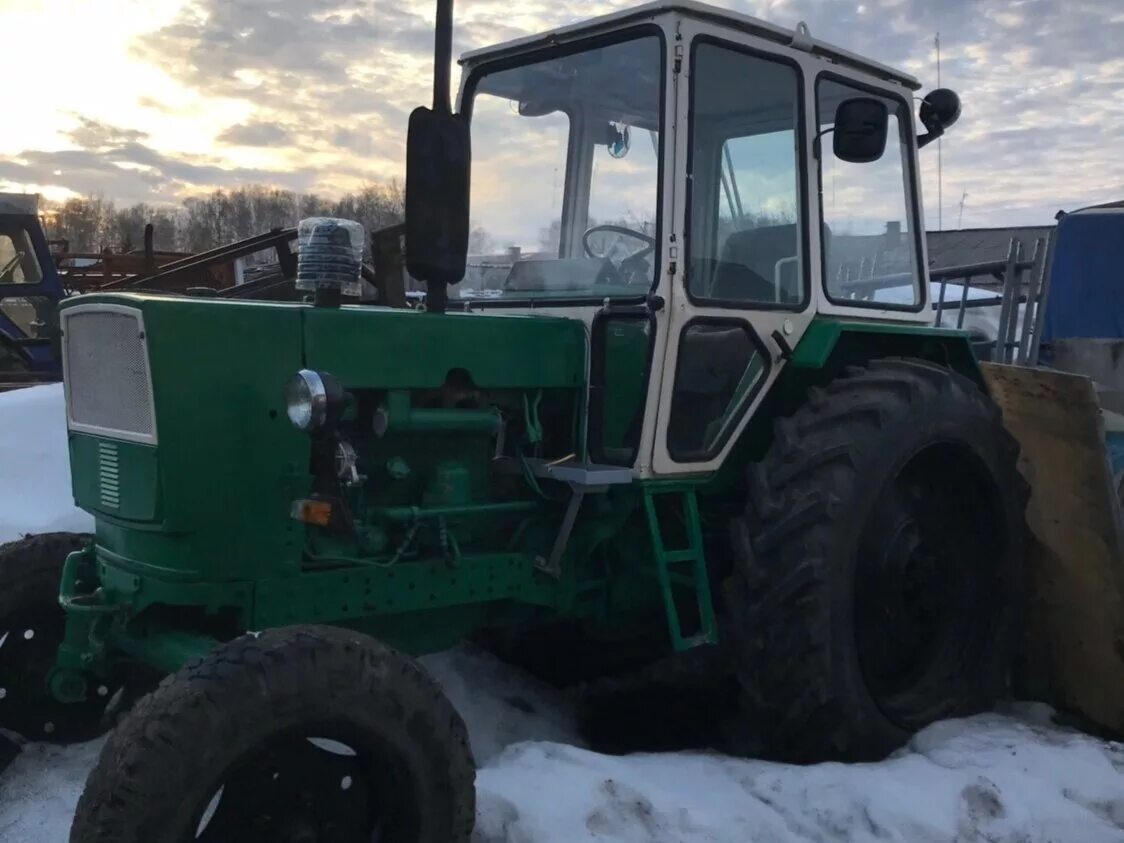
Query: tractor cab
[30, 289]
[675, 176]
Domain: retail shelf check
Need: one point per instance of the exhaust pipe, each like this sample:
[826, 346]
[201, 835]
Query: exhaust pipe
[443, 58]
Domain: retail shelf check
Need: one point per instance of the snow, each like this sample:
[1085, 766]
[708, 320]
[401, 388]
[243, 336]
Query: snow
[34, 470]
[992, 778]
[980, 322]
[907, 294]
[1011, 777]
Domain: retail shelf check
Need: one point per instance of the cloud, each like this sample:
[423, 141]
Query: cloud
[118, 165]
[324, 88]
[258, 133]
[94, 135]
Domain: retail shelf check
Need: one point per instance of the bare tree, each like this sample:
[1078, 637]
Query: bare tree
[210, 220]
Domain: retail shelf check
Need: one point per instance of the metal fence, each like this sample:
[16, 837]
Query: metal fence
[1014, 283]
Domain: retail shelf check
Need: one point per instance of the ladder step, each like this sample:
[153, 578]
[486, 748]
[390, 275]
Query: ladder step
[696, 580]
[675, 556]
[674, 577]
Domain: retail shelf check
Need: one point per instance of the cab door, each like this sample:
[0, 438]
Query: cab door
[744, 293]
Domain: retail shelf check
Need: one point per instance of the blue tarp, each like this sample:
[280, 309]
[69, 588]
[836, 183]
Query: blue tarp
[1115, 444]
[1087, 279]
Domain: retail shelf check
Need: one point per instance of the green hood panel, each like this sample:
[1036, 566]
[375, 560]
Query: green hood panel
[211, 498]
[406, 349]
[219, 481]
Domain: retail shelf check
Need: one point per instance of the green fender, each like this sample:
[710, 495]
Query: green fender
[830, 345]
[827, 348]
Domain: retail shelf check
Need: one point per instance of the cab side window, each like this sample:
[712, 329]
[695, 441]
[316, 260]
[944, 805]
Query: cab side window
[869, 239]
[745, 249]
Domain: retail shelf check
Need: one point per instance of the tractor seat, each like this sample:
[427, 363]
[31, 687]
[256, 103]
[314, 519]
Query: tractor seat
[755, 261]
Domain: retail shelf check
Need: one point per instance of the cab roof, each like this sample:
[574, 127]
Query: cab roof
[798, 38]
[24, 204]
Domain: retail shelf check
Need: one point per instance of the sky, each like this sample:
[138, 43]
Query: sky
[156, 100]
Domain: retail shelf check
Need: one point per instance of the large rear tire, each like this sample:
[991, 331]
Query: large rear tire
[299, 735]
[878, 566]
[31, 628]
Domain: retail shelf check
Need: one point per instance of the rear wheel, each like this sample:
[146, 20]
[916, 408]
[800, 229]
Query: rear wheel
[31, 628]
[879, 564]
[299, 735]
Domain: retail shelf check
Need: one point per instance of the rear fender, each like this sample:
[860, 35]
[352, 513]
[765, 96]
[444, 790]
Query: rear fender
[829, 346]
[823, 354]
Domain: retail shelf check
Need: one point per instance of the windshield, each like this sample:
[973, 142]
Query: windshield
[565, 176]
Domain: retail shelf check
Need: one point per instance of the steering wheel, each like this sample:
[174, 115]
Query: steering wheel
[633, 266]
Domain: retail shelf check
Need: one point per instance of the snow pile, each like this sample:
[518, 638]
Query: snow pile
[1012, 778]
[500, 704]
[35, 492]
[991, 778]
[39, 792]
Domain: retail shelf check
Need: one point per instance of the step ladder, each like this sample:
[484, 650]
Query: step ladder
[682, 569]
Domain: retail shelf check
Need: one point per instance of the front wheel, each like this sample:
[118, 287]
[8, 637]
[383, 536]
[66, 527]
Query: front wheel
[298, 735]
[32, 624]
[879, 564]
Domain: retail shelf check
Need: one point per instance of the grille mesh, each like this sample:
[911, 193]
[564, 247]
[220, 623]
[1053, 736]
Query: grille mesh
[107, 373]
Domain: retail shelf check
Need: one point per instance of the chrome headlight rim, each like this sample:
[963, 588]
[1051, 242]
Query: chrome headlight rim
[306, 400]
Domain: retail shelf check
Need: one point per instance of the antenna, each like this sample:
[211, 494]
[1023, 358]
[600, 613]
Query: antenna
[960, 220]
[940, 149]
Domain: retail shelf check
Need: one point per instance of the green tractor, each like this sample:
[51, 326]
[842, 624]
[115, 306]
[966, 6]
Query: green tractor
[708, 415]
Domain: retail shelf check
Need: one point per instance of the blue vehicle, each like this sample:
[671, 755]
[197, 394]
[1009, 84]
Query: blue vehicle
[1086, 297]
[1061, 310]
[1084, 324]
[30, 291]
[32, 285]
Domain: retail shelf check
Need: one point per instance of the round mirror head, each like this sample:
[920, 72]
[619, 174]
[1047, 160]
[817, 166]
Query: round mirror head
[940, 108]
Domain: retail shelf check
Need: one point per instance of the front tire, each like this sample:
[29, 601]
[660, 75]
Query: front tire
[31, 628]
[878, 564]
[299, 735]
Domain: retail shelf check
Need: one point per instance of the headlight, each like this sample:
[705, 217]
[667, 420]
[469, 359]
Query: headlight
[309, 399]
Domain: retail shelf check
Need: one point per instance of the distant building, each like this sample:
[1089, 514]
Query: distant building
[967, 246]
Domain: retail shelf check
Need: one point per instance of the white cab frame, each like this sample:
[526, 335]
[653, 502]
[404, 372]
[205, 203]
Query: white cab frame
[681, 23]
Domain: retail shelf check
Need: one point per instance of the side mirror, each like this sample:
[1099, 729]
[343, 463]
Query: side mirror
[861, 127]
[438, 167]
[939, 110]
[438, 161]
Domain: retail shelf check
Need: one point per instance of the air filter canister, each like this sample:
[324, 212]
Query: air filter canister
[330, 258]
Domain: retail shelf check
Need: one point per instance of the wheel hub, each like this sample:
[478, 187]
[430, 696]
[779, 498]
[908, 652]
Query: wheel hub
[25, 652]
[296, 790]
[906, 597]
[925, 584]
[28, 647]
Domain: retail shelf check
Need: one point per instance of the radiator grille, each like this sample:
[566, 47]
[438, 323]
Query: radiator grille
[107, 379]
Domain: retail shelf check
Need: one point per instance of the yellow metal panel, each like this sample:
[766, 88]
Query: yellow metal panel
[1075, 601]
